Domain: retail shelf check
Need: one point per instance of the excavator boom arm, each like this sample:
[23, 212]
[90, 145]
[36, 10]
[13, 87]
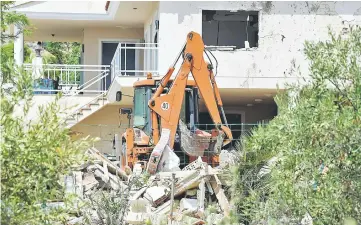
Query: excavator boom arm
[168, 106]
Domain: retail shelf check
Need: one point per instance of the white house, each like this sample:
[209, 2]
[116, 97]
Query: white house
[257, 46]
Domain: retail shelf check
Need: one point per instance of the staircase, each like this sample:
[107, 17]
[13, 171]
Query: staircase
[86, 110]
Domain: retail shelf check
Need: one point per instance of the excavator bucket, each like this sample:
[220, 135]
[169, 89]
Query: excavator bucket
[196, 143]
[193, 143]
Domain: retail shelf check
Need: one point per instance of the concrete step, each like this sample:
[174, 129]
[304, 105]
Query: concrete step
[87, 110]
[70, 119]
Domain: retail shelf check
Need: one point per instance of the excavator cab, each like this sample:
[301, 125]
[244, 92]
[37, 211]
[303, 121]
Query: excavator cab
[142, 130]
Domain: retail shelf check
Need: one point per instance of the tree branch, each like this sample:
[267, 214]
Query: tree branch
[345, 94]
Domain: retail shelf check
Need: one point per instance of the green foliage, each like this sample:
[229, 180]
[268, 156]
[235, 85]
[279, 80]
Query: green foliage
[64, 52]
[8, 52]
[322, 131]
[34, 154]
[9, 18]
[7, 59]
[111, 207]
[229, 220]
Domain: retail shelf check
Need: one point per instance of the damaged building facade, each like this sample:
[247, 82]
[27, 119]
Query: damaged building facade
[256, 48]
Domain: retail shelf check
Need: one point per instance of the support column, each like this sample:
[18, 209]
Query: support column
[19, 46]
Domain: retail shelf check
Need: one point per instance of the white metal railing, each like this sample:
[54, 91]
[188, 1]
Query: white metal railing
[135, 59]
[68, 78]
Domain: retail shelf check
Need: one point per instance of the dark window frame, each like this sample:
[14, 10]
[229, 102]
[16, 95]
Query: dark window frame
[218, 31]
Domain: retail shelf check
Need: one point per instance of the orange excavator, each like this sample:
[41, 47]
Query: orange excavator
[171, 106]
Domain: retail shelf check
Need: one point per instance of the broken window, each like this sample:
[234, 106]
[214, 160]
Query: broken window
[230, 28]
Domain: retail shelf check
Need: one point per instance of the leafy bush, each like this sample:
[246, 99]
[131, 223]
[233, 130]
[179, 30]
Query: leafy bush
[312, 150]
[111, 208]
[34, 154]
[64, 52]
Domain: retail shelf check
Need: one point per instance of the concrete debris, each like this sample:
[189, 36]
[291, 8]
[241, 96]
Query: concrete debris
[89, 181]
[139, 211]
[114, 169]
[169, 161]
[76, 220]
[209, 187]
[191, 193]
[307, 219]
[188, 204]
[138, 193]
[136, 218]
[196, 187]
[94, 175]
[163, 209]
[195, 165]
[178, 174]
[157, 152]
[156, 195]
[222, 199]
[227, 158]
[201, 195]
[140, 206]
[137, 170]
[181, 218]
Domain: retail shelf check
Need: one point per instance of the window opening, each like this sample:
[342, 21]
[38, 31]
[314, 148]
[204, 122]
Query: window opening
[230, 28]
[140, 115]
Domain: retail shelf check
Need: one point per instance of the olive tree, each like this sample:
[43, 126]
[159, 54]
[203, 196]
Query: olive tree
[34, 153]
[306, 163]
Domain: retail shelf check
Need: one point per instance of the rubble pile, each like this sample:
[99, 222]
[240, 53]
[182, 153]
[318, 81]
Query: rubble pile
[195, 187]
[193, 195]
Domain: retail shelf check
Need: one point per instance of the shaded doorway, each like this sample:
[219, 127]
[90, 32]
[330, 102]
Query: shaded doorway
[127, 59]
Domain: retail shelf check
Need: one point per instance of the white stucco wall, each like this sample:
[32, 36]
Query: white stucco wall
[266, 66]
[67, 104]
[103, 124]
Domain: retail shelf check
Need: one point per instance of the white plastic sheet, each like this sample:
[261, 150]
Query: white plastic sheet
[169, 162]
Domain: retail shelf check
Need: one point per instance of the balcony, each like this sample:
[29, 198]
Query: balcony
[131, 62]
[68, 79]
[98, 82]
[135, 59]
